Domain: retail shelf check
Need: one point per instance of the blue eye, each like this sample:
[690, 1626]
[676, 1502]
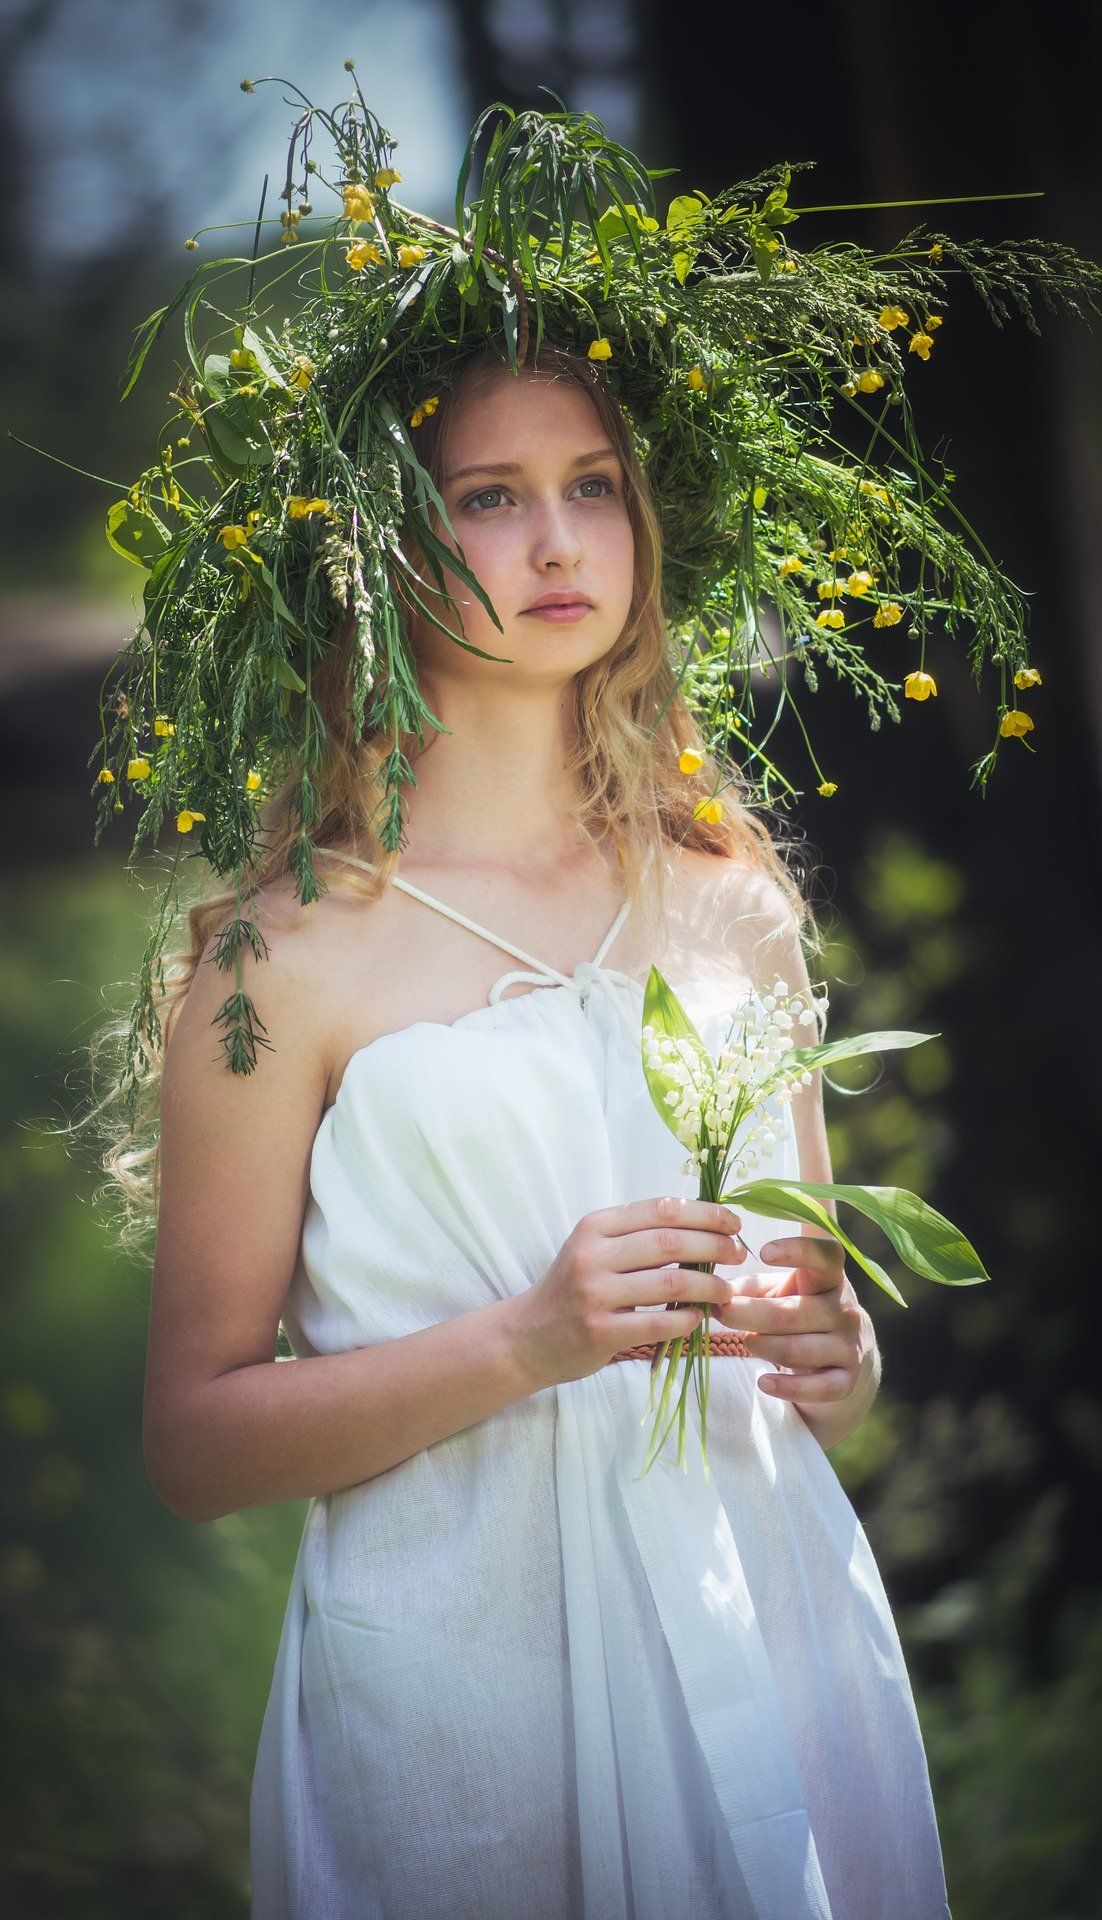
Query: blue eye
[594, 479]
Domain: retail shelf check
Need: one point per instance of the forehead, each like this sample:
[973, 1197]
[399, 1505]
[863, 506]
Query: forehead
[508, 416]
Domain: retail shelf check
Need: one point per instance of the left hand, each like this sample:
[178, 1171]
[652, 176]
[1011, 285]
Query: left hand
[812, 1321]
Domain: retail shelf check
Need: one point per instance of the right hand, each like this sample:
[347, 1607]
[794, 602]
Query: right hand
[580, 1313]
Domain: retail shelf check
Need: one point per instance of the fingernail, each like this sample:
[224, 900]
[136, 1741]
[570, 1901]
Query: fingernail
[768, 1249]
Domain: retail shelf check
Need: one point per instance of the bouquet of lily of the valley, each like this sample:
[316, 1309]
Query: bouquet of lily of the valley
[724, 1110]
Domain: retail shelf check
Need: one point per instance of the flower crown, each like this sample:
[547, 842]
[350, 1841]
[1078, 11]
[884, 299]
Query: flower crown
[289, 468]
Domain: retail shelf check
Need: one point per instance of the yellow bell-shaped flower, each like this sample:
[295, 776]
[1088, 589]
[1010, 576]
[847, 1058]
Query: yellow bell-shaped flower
[690, 761]
[600, 349]
[186, 819]
[919, 686]
[138, 769]
[709, 810]
[1014, 724]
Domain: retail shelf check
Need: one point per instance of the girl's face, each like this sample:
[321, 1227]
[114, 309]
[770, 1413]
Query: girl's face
[536, 496]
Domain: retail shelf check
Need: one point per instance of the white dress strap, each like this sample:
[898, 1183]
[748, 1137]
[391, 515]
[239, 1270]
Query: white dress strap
[541, 973]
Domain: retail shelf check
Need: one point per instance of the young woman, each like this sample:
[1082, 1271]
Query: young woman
[516, 1678]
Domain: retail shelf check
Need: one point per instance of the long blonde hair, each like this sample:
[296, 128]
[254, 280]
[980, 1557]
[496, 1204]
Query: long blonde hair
[629, 727]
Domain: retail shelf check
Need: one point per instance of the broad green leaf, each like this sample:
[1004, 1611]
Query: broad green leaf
[790, 1200]
[857, 1044]
[929, 1243]
[135, 535]
[662, 1009]
[682, 213]
[287, 677]
[262, 357]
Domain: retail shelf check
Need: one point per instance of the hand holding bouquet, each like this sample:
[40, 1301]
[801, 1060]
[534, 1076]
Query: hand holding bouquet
[724, 1111]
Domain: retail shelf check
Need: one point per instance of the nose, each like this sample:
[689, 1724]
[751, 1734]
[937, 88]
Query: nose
[555, 540]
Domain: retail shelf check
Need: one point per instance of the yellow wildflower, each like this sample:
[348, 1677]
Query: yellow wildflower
[932, 322]
[790, 564]
[936, 251]
[919, 686]
[106, 776]
[837, 553]
[1014, 724]
[1027, 677]
[424, 409]
[829, 589]
[243, 357]
[891, 317]
[849, 387]
[360, 253]
[870, 381]
[709, 810]
[252, 780]
[690, 761]
[298, 506]
[358, 204]
[252, 521]
[186, 819]
[660, 316]
[288, 235]
[387, 177]
[600, 349]
[921, 344]
[139, 769]
[785, 266]
[409, 256]
[184, 440]
[830, 617]
[878, 493]
[232, 537]
[859, 583]
[697, 379]
[191, 245]
[887, 614]
[163, 726]
[828, 787]
[302, 371]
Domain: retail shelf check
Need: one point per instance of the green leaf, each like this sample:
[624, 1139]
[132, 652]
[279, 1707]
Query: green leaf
[788, 1200]
[263, 360]
[930, 1244]
[857, 1044]
[663, 1010]
[135, 535]
[683, 213]
[288, 678]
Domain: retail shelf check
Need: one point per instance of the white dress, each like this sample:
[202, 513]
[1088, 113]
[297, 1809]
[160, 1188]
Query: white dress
[516, 1681]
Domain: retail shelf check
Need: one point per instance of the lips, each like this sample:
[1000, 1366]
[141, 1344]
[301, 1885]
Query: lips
[559, 600]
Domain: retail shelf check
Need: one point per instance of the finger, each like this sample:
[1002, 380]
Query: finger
[659, 1246]
[828, 1383]
[667, 1210]
[802, 1350]
[655, 1286]
[788, 1313]
[819, 1257]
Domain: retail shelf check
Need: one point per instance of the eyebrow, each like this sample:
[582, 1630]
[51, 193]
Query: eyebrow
[511, 466]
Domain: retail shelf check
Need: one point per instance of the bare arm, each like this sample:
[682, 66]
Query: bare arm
[829, 1420]
[225, 1424]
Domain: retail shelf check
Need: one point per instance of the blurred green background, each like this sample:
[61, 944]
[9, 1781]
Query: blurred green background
[137, 1650]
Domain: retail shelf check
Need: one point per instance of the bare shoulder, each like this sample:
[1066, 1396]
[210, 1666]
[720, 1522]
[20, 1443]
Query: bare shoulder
[291, 969]
[742, 911]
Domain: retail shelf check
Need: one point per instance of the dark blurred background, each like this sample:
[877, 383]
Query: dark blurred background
[138, 1650]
